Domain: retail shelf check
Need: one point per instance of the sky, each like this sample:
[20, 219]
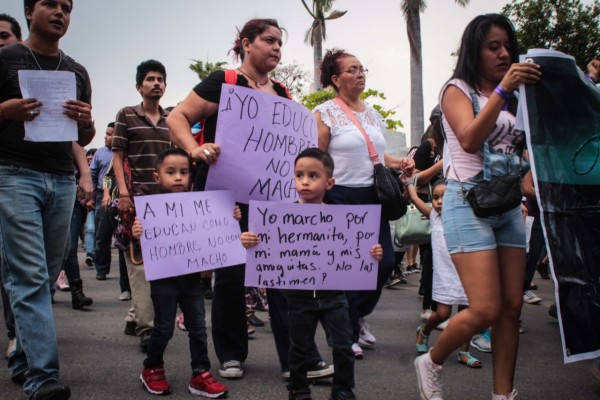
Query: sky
[111, 37]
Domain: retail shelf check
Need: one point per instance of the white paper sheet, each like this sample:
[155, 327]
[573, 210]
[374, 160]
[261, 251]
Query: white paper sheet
[52, 89]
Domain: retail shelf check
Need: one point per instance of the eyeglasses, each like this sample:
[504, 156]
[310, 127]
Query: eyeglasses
[354, 70]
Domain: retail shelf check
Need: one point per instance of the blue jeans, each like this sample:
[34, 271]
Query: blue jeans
[90, 233]
[35, 212]
[166, 294]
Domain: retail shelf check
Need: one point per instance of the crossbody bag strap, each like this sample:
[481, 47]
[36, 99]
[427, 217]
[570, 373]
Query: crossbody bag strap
[486, 147]
[372, 152]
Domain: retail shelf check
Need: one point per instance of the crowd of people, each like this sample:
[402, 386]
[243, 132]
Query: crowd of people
[479, 264]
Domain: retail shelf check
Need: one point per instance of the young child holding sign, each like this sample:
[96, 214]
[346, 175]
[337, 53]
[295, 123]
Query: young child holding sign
[313, 176]
[172, 173]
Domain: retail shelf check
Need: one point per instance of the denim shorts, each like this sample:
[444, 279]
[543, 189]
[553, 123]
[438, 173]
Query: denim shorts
[465, 233]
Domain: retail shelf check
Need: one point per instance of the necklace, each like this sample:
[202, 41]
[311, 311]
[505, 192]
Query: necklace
[36, 61]
[257, 83]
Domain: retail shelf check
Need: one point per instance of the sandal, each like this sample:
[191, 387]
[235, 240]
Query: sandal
[423, 347]
[471, 362]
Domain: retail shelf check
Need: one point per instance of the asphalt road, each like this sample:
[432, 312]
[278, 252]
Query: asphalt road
[99, 362]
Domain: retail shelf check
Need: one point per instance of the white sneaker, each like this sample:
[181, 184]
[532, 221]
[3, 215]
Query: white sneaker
[482, 342]
[365, 337]
[425, 314]
[443, 325]
[358, 351]
[62, 283]
[124, 296]
[530, 297]
[512, 395]
[429, 376]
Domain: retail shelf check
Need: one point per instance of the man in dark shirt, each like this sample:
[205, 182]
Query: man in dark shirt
[37, 193]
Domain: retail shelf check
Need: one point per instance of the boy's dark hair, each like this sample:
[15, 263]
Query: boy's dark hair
[148, 66]
[91, 151]
[14, 25]
[31, 4]
[110, 125]
[316, 153]
[176, 151]
[467, 66]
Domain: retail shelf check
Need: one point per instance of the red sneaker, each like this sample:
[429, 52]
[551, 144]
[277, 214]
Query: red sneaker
[155, 381]
[204, 384]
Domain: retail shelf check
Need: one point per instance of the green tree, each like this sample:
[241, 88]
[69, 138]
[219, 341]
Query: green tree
[412, 9]
[316, 34]
[294, 77]
[204, 69]
[563, 25]
[312, 100]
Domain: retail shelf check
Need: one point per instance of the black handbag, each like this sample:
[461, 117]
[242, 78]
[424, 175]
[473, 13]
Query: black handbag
[387, 186]
[493, 197]
[387, 181]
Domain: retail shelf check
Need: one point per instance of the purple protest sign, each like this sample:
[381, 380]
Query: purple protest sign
[188, 232]
[260, 136]
[313, 246]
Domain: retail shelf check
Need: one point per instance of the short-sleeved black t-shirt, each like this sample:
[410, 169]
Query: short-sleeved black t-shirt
[210, 90]
[53, 157]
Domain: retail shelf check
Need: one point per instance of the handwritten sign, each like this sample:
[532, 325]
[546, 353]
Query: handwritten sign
[188, 232]
[313, 246]
[260, 136]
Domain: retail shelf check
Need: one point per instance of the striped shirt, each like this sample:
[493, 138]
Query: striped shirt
[141, 142]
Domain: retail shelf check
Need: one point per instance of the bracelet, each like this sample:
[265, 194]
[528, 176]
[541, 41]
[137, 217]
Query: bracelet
[588, 76]
[505, 94]
[409, 182]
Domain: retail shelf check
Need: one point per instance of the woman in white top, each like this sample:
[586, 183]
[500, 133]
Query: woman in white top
[489, 253]
[354, 182]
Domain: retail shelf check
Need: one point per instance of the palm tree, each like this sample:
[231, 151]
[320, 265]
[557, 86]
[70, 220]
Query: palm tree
[412, 10]
[315, 35]
[204, 69]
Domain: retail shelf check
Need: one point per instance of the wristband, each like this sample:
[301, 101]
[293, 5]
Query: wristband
[409, 182]
[505, 94]
[588, 76]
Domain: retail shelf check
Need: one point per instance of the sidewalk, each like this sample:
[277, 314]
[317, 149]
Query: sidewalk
[99, 362]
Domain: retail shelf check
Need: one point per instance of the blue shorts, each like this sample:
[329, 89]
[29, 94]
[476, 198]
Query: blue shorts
[465, 233]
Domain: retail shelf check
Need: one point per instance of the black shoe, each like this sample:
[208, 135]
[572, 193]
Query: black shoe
[343, 395]
[145, 339]
[89, 260]
[130, 328]
[300, 395]
[254, 320]
[101, 276]
[78, 298]
[319, 370]
[208, 294]
[18, 378]
[51, 390]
